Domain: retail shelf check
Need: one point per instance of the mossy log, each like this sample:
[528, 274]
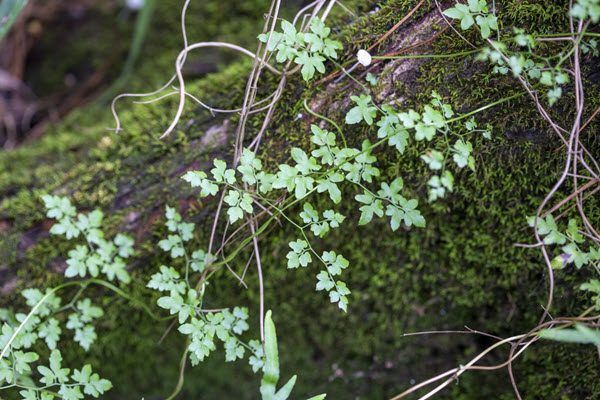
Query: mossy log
[462, 269]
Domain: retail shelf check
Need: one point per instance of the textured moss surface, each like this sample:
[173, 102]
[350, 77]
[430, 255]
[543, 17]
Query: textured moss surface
[461, 270]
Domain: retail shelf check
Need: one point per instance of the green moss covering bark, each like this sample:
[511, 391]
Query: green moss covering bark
[461, 270]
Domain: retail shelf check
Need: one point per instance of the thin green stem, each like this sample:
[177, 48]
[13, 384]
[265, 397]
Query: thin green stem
[416, 56]
[181, 379]
[129, 298]
[551, 35]
[31, 313]
[83, 284]
[480, 109]
[575, 46]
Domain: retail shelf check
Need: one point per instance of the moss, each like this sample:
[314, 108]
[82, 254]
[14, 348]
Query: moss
[99, 39]
[461, 270]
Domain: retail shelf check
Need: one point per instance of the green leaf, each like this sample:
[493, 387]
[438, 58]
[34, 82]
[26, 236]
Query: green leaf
[199, 179]
[584, 9]
[391, 192]
[447, 180]
[454, 13]
[300, 255]
[333, 218]
[116, 270]
[22, 360]
[286, 389]
[339, 295]
[389, 123]
[432, 117]
[74, 322]
[172, 244]
[317, 26]
[265, 181]
[593, 286]
[65, 227]
[573, 231]
[412, 216]
[50, 331]
[462, 12]
[249, 166]
[362, 168]
[322, 137]
[329, 185]
[90, 221]
[200, 260]
[309, 62]
[309, 214]
[177, 305]
[547, 227]
[399, 140]
[330, 48]
[186, 231]
[363, 111]
[167, 280]
[238, 203]
[88, 311]
[58, 207]
[313, 41]
[581, 334]
[70, 392]
[55, 373]
[92, 384]
[324, 282]
[434, 159]
[335, 262]
[9, 11]
[256, 360]
[423, 131]
[6, 372]
[271, 366]
[466, 21]
[477, 6]
[85, 336]
[575, 255]
[34, 296]
[288, 178]
[372, 206]
[404, 212]
[76, 262]
[462, 154]
[409, 119]
[289, 31]
[487, 24]
[275, 39]
[233, 350]
[125, 245]
[554, 95]
[371, 79]
[28, 394]
[232, 198]
[221, 173]
[438, 185]
[304, 164]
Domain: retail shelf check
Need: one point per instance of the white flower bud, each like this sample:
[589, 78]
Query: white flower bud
[134, 4]
[364, 57]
